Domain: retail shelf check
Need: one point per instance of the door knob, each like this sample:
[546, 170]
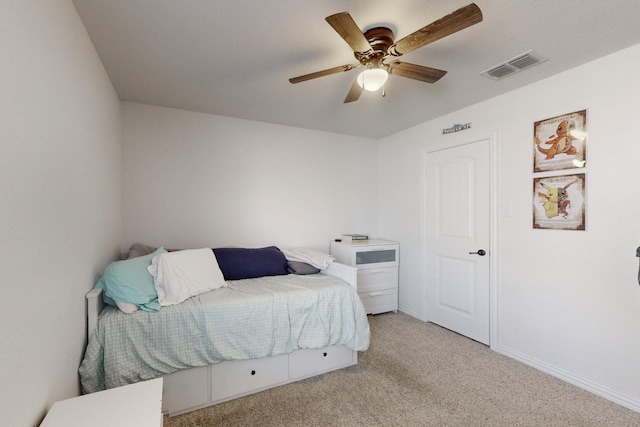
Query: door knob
[480, 252]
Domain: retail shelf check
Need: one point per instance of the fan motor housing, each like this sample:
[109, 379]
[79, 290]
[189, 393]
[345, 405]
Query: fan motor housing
[380, 39]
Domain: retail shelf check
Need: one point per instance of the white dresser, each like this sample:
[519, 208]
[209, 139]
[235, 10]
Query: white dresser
[377, 262]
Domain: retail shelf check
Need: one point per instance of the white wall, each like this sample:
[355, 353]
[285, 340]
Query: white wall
[568, 301]
[60, 167]
[198, 180]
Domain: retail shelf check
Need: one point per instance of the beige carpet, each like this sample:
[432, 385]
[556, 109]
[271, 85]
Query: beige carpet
[418, 374]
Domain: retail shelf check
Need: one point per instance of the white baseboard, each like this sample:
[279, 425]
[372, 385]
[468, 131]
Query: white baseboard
[590, 386]
[597, 389]
[411, 313]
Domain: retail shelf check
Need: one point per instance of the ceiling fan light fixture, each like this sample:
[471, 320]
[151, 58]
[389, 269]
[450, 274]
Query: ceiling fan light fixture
[372, 79]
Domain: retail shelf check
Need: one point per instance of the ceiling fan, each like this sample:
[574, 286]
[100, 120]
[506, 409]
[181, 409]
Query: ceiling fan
[375, 49]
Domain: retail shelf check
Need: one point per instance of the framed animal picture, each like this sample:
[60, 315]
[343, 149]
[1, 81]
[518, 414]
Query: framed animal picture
[559, 202]
[560, 142]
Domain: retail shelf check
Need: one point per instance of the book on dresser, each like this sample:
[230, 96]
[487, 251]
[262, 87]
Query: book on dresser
[352, 237]
[377, 262]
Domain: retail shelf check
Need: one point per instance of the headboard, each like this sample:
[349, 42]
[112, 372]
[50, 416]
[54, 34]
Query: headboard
[94, 307]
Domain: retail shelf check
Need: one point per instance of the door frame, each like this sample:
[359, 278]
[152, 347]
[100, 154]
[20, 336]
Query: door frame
[444, 144]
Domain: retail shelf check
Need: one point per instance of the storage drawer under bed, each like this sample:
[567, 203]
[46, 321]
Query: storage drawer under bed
[309, 362]
[238, 377]
[196, 388]
[185, 389]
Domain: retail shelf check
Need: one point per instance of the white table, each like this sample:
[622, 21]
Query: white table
[135, 405]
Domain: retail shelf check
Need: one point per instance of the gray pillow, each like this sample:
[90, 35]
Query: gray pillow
[138, 249]
[298, 267]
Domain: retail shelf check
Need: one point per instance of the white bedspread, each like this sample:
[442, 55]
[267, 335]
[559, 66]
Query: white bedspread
[317, 259]
[248, 319]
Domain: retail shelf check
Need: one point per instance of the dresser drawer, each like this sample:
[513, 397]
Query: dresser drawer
[367, 254]
[307, 362]
[379, 301]
[376, 279]
[234, 378]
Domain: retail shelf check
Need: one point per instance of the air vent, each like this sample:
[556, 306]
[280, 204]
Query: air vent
[518, 63]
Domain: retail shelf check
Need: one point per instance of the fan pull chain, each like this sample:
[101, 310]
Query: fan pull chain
[383, 92]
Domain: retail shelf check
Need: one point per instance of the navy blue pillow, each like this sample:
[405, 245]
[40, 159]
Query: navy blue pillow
[243, 263]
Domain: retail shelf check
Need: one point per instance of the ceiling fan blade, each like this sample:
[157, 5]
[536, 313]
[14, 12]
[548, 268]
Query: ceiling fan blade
[416, 72]
[344, 25]
[354, 93]
[323, 73]
[452, 23]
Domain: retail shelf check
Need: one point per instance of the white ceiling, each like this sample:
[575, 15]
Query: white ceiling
[234, 57]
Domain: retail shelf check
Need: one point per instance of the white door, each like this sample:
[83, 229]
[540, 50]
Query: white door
[457, 238]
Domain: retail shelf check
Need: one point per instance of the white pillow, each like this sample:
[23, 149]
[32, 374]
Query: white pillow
[127, 307]
[182, 274]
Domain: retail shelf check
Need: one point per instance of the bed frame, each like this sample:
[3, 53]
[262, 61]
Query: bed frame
[196, 388]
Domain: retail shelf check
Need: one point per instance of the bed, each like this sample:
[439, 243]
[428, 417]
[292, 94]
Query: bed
[249, 334]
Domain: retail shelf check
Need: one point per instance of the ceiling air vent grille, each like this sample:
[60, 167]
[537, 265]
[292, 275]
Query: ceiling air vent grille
[518, 63]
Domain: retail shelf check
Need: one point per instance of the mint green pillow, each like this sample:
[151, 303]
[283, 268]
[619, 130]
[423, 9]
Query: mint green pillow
[129, 281]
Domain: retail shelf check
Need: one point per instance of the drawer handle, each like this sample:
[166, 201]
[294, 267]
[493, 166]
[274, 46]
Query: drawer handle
[253, 372]
[375, 294]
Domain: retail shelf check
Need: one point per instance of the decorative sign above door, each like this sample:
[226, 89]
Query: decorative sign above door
[456, 128]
